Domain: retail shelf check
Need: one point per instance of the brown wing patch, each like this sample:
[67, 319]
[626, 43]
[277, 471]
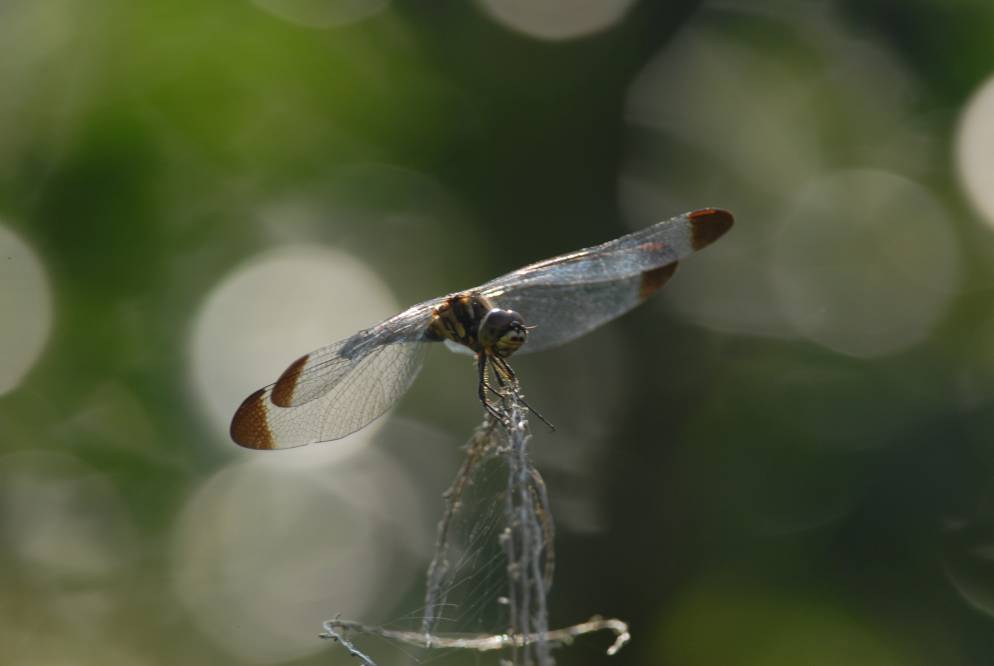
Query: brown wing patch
[287, 383]
[653, 281]
[708, 225]
[249, 426]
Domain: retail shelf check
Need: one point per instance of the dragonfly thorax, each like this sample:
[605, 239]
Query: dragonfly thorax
[472, 320]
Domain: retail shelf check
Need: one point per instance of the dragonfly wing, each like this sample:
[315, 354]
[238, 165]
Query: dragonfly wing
[563, 312]
[567, 296]
[315, 374]
[336, 390]
[361, 391]
[650, 248]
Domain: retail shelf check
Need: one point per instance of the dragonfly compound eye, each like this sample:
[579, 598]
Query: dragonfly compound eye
[503, 331]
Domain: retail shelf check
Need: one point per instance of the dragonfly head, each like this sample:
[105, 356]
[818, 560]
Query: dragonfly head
[503, 331]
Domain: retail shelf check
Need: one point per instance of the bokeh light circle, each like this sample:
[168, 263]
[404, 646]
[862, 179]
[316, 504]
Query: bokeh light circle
[268, 312]
[975, 149]
[26, 304]
[866, 263]
[741, 109]
[264, 553]
[557, 19]
[322, 13]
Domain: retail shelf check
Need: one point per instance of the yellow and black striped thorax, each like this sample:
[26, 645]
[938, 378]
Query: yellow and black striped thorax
[472, 320]
[458, 319]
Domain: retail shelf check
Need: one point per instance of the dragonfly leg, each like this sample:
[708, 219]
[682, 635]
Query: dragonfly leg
[501, 366]
[538, 414]
[499, 394]
[481, 364]
[501, 371]
[506, 379]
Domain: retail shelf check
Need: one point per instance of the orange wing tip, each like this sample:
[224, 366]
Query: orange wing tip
[652, 281]
[708, 225]
[250, 426]
[287, 383]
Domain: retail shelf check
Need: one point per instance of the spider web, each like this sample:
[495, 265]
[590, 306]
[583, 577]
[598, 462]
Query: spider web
[494, 555]
[487, 584]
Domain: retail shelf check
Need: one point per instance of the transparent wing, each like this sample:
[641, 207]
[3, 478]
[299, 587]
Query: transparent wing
[336, 390]
[563, 312]
[359, 394]
[567, 296]
[314, 375]
[627, 256]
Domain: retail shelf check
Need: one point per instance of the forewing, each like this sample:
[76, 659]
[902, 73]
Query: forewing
[336, 390]
[567, 296]
[319, 372]
[650, 248]
[362, 392]
[560, 313]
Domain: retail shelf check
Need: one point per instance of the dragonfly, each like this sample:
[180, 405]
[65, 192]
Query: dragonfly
[339, 389]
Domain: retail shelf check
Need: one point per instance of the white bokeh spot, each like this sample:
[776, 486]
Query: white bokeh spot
[718, 120]
[264, 553]
[866, 263]
[26, 304]
[270, 311]
[557, 19]
[975, 149]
